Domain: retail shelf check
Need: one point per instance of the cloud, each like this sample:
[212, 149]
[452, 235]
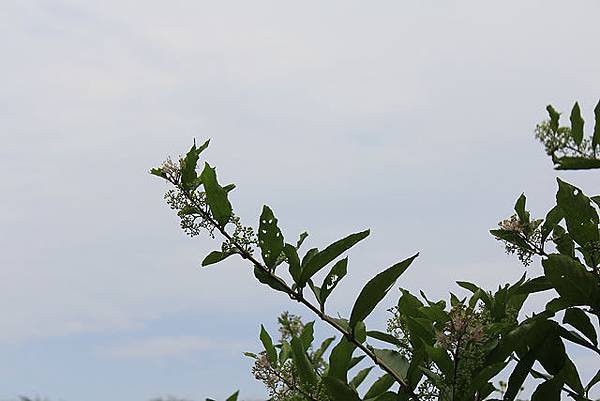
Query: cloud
[170, 347]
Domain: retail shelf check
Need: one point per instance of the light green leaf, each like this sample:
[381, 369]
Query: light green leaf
[340, 358]
[394, 360]
[380, 386]
[376, 289]
[339, 390]
[360, 377]
[307, 335]
[188, 166]
[303, 364]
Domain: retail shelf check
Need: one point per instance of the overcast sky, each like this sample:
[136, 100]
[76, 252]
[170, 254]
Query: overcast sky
[412, 118]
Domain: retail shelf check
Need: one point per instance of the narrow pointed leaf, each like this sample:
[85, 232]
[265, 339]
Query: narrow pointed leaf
[339, 390]
[520, 208]
[233, 397]
[293, 261]
[335, 275]
[215, 257]
[303, 364]
[395, 361]
[376, 289]
[360, 377]
[265, 338]
[327, 255]
[307, 335]
[576, 124]
[596, 137]
[554, 117]
[274, 282]
[340, 359]
[380, 386]
[188, 165]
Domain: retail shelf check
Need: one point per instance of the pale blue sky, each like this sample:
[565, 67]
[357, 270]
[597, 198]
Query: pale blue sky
[413, 118]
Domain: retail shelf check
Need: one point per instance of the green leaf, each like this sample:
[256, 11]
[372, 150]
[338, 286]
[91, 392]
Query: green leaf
[188, 166]
[376, 289]
[576, 163]
[339, 390]
[380, 386]
[596, 137]
[233, 397]
[520, 209]
[538, 284]
[576, 124]
[303, 364]
[293, 261]
[549, 390]
[322, 348]
[442, 360]
[307, 335]
[215, 257]
[265, 338]
[385, 337]
[518, 375]
[272, 281]
[571, 280]
[554, 216]
[335, 275]
[327, 255]
[360, 377]
[158, 172]
[581, 217]
[301, 239]
[216, 196]
[554, 117]
[394, 360]
[571, 377]
[340, 359]
[580, 320]
[270, 239]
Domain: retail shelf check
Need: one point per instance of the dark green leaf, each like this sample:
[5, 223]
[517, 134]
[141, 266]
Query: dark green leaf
[272, 281]
[520, 209]
[322, 348]
[303, 364]
[265, 338]
[360, 332]
[554, 216]
[215, 257]
[548, 391]
[339, 390]
[512, 237]
[534, 285]
[571, 280]
[576, 124]
[582, 219]
[188, 166]
[394, 360]
[360, 377]
[216, 196]
[376, 289]
[293, 261]
[158, 172]
[307, 335]
[518, 375]
[355, 361]
[554, 117]
[580, 320]
[270, 239]
[380, 386]
[327, 255]
[442, 360]
[301, 239]
[571, 377]
[337, 272]
[339, 359]
[576, 163]
[385, 337]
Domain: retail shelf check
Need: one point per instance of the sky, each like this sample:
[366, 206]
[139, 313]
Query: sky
[412, 118]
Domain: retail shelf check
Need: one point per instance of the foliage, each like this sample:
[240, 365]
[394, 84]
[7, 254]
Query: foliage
[447, 351]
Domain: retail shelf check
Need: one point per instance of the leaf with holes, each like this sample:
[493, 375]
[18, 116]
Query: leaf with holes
[335, 275]
[581, 217]
[270, 239]
[327, 255]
